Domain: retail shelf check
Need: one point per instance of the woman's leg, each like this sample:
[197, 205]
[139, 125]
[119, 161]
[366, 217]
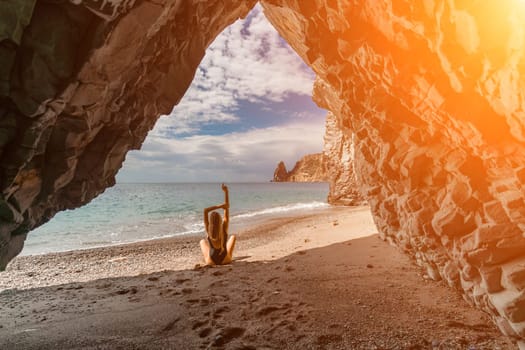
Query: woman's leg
[205, 248]
[230, 245]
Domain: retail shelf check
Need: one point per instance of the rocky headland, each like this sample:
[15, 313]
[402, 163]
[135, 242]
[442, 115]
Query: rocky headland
[310, 168]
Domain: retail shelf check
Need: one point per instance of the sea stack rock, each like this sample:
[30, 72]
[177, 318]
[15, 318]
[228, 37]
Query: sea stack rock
[310, 168]
[280, 174]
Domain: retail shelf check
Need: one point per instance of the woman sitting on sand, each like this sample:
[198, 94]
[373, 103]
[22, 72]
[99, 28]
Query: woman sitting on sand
[217, 248]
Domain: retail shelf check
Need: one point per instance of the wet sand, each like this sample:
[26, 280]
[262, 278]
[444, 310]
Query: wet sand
[321, 281]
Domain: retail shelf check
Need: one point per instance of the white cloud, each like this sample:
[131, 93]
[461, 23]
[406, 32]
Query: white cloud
[248, 61]
[235, 157]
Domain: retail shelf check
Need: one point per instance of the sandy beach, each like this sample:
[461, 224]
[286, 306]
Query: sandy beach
[317, 281]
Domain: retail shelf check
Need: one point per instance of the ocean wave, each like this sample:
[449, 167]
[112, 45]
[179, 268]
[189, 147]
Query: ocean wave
[152, 237]
[151, 230]
[101, 243]
[283, 209]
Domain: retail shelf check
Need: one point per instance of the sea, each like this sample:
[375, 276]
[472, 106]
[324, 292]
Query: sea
[127, 212]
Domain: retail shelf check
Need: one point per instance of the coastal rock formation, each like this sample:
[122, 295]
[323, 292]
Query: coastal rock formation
[334, 165]
[338, 148]
[281, 173]
[427, 95]
[82, 83]
[339, 154]
[431, 95]
[310, 168]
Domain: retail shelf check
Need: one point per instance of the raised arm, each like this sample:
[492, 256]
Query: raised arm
[226, 207]
[206, 212]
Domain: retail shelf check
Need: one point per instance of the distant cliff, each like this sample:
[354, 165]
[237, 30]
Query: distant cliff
[310, 168]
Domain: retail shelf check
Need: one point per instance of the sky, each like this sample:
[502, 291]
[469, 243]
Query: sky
[249, 107]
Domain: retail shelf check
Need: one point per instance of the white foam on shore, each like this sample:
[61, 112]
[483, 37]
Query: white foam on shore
[283, 209]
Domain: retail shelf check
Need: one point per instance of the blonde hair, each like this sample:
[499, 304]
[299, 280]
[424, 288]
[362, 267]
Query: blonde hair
[216, 231]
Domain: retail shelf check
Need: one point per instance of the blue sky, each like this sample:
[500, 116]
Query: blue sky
[248, 107]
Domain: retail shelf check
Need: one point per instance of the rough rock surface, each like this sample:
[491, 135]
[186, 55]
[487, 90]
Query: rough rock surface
[432, 92]
[339, 154]
[428, 93]
[281, 173]
[310, 168]
[81, 85]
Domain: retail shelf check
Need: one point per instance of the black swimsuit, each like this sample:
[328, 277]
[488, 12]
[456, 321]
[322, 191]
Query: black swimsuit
[215, 254]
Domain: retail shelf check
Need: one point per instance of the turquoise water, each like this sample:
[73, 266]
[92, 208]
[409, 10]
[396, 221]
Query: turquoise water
[133, 212]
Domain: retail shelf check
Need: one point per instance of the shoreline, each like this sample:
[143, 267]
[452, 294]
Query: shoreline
[113, 219]
[169, 253]
[320, 281]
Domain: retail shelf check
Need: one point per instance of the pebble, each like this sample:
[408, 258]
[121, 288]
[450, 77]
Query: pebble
[218, 340]
[81, 266]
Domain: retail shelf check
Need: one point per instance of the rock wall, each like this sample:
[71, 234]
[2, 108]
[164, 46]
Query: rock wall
[81, 83]
[428, 95]
[431, 94]
[338, 149]
[310, 168]
[339, 154]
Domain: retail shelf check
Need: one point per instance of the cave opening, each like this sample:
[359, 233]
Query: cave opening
[249, 107]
